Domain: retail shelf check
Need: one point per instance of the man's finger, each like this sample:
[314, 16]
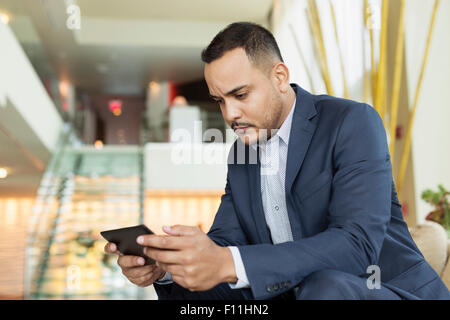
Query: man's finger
[165, 256]
[163, 242]
[130, 261]
[150, 281]
[111, 248]
[173, 269]
[180, 230]
[157, 274]
[139, 274]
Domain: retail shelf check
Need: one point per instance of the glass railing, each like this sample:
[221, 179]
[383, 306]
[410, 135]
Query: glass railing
[84, 191]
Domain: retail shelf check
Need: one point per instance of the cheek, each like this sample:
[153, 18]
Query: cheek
[274, 109]
[256, 111]
[264, 114]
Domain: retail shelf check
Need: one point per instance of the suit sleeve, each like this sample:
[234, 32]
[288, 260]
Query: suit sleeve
[358, 213]
[226, 229]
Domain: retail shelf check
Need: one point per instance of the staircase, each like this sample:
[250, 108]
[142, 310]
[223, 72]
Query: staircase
[83, 192]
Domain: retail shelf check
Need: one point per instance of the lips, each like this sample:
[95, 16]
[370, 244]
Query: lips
[241, 130]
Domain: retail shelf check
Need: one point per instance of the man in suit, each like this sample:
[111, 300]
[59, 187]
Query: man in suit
[310, 209]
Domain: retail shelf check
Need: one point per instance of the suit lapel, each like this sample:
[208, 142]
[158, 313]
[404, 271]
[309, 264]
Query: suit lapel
[302, 131]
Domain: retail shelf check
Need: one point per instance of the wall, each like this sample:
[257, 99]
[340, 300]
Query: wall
[431, 128]
[165, 168]
[29, 122]
[123, 129]
[300, 56]
[430, 154]
[20, 84]
[157, 103]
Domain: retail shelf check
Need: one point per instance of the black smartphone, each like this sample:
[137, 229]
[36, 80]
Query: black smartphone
[125, 240]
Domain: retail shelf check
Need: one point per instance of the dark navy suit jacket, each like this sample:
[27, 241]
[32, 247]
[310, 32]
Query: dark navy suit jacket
[341, 201]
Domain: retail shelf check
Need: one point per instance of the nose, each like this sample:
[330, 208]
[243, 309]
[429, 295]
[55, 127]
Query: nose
[233, 112]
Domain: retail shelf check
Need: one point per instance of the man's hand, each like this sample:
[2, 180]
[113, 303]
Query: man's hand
[192, 258]
[133, 268]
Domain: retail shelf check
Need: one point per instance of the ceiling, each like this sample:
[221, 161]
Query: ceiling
[194, 10]
[123, 45]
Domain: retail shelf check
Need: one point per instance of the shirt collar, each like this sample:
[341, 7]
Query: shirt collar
[285, 128]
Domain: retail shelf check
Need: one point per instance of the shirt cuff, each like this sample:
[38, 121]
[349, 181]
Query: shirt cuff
[167, 279]
[241, 275]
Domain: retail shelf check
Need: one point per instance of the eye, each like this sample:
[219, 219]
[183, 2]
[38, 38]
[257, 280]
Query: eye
[219, 101]
[241, 95]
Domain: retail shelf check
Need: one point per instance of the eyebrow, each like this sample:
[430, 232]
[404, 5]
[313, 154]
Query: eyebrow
[229, 93]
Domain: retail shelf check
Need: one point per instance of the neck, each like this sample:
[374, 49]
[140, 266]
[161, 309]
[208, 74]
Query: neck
[287, 105]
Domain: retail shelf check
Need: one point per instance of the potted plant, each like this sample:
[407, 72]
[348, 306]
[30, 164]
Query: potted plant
[438, 199]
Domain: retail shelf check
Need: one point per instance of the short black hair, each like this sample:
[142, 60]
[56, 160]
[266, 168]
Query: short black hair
[258, 42]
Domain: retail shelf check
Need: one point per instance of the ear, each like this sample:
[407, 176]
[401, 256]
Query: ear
[281, 77]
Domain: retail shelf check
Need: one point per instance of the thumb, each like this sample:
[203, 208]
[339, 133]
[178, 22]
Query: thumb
[179, 230]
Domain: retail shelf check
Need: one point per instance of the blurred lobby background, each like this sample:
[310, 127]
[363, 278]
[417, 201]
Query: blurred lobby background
[91, 90]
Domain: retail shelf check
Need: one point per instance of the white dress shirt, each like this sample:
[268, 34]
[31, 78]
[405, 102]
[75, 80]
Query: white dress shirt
[273, 158]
